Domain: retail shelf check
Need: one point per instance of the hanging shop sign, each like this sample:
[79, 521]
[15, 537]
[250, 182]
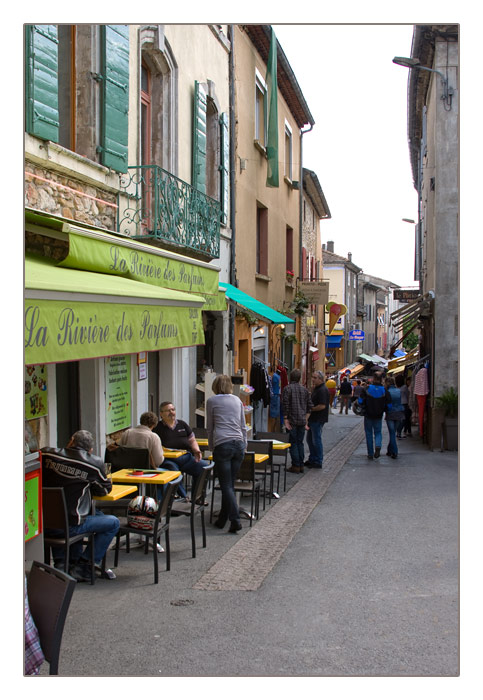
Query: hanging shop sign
[316, 292]
[118, 393]
[356, 334]
[35, 391]
[406, 294]
[336, 311]
[59, 331]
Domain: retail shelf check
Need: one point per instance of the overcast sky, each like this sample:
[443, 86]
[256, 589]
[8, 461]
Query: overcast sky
[358, 147]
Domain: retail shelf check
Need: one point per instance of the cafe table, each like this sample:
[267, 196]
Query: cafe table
[128, 476]
[277, 445]
[118, 491]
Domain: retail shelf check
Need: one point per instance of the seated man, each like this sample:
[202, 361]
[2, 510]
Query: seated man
[177, 435]
[144, 437]
[82, 475]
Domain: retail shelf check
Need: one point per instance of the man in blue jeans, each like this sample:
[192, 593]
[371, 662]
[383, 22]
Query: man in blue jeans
[296, 406]
[374, 398]
[317, 419]
[82, 475]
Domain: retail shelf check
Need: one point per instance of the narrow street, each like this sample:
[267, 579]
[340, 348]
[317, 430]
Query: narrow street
[360, 580]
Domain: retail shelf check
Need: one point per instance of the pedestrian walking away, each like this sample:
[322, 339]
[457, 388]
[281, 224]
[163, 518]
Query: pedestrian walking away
[394, 416]
[345, 395]
[296, 406]
[374, 399]
[319, 415]
[227, 437]
[403, 385]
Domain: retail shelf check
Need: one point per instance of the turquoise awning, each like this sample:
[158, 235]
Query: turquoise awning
[257, 307]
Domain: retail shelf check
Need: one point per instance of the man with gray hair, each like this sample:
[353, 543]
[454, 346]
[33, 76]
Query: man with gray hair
[82, 475]
[319, 415]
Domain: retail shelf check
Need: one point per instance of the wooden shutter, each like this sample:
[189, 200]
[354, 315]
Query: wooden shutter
[115, 96]
[198, 179]
[41, 81]
[225, 167]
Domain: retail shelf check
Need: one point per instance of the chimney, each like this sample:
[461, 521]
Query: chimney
[330, 246]
[349, 256]
[323, 246]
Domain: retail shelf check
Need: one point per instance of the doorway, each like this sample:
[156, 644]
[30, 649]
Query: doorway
[68, 401]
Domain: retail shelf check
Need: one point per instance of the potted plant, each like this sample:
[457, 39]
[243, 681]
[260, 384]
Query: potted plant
[290, 274]
[448, 402]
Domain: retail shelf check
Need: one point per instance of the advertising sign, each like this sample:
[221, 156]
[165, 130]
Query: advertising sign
[406, 294]
[316, 292]
[33, 512]
[356, 334]
[118, 393]
[35, 391]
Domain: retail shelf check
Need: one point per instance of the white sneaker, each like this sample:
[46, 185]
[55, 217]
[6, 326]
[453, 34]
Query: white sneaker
[159, 547]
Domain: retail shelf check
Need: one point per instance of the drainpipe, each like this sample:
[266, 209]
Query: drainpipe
[302, 132]
[233, 281]
[301, 193]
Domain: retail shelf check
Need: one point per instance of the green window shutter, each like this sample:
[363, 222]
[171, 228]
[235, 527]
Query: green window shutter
[198, 179]
[41, 81]
[115, 96]
[225, 167]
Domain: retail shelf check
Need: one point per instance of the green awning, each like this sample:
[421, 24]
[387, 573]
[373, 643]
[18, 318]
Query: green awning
[96, 250]
[257, 307]
[367, 358]
[75, 314]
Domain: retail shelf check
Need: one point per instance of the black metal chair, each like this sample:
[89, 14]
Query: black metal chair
[49, 594]
[265, 469]
[121, 457]
[200, 432]
[55, 517]
[161, 524]
[279, 458]
[247, 483]
[197, 505]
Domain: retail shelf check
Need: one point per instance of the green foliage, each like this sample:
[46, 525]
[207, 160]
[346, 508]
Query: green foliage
[411, 341]
[448, 401]
[300, 304]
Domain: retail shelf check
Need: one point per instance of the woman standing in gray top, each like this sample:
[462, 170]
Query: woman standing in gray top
[227, 437]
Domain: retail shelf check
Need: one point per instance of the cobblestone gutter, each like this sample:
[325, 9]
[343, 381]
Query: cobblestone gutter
[245, 566]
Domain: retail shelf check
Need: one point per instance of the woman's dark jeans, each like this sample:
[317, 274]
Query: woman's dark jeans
[228, 458]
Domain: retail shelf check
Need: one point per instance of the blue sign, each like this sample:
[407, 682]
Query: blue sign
[356, 334]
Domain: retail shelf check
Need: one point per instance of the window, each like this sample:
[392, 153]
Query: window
[65, 105]
[289, 249]
[260, 109]
[262, 240]
[145, 143]
[211, 147]
[288, 151]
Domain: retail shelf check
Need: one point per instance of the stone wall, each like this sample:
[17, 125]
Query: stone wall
[56, 193]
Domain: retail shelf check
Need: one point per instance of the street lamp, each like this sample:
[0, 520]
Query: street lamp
[409, 221]
[447, 95]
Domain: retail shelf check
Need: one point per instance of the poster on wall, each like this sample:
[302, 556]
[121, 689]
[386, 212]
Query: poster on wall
[35, 391]
[118, 393]
[33, 511]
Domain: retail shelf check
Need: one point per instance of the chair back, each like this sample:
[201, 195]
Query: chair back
[49, 594]
[54, 509]
[200, 432]
[200, 486]
[261, 447]
[247, 469]
[122, 457]
[282, 437]
[164, 508]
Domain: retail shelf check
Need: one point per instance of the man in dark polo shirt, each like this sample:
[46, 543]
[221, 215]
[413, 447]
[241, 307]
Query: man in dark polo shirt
[319, 415]
[175, 434]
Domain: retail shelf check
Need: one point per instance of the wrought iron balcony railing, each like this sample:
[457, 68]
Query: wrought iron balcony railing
[161, 206]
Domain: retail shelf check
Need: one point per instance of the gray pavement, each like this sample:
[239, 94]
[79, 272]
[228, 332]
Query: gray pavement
[360, 580]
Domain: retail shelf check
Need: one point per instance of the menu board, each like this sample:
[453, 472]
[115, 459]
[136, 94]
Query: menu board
[35, 391]
[32, 505]
[118, 393]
